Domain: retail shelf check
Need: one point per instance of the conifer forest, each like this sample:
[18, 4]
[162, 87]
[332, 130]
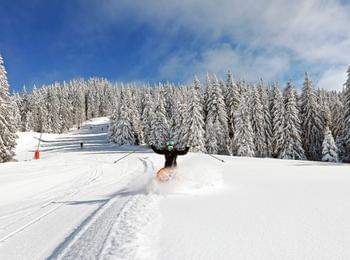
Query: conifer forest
[214, 115]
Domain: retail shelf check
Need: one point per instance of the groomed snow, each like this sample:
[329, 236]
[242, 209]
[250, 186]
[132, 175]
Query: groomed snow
[76, 203]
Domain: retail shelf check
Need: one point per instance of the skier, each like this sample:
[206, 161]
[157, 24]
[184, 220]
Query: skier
[170, 153]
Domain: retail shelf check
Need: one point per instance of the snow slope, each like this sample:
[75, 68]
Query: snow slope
[76, 203]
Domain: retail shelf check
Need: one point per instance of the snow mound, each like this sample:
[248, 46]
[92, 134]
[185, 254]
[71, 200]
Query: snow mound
[192, 177]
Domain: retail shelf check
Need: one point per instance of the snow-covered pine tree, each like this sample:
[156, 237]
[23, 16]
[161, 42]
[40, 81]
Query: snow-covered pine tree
[329, 149]
[312, 128]
[347, 116]
[146, 115]
[195, 121]
[65, 109]
[78, 103]
[16, 104]
[242, 87]
[112, 124]
[223, 88]
[7, 122]
[92, 99]
[53, 108]
[277, 112]
[167, 91]
[207, 90]
[217, 118]
[211, 143]
[159, 125]
[243, 136]
[135, 117]
[138, 94]
[39, 110]
[257, 119]
[265, 102]
[105, 97]
[180, 127]
[325, 113]
[337, 118]
[176, 125]
[292, 146]
[232, 102]
[26, 124]
[198, 87]
[121, 131]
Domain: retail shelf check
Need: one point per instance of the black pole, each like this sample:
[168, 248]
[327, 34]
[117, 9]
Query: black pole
[221, 160]
[124, 156]
[41, 134]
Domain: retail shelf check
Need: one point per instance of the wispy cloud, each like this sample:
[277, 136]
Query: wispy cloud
[245, 64]
[254, 38]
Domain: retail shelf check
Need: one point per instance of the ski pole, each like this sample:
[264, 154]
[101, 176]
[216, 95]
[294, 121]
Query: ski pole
[124, 157]
[221, 160]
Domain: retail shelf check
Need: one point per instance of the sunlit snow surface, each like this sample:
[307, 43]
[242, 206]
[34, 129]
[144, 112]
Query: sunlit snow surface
[77, 204]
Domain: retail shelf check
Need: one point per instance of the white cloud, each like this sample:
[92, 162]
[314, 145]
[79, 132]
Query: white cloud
[333, 79]
[314, 33]
[244, 65]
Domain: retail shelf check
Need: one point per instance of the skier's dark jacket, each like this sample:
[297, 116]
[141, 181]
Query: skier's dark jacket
[170, 156]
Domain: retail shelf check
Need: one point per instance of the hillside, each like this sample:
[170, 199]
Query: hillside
[77, 202]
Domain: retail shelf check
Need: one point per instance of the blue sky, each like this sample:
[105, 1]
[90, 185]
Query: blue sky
[157, 40]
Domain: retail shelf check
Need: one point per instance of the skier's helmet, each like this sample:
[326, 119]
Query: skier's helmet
[170, 145]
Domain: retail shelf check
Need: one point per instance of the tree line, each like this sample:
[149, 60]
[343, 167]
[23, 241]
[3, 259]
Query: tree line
[228, 117]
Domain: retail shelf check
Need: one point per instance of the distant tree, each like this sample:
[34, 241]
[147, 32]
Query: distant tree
[146, 116]
[179, 129]
[267, 122]
[7, 122]
[195, 121]
[134, 114]
[207, 90]
[66, 114]
[92, 100]
[159, 125]
[232, 102]
[167, 91]
[26, 117]
[323, 102]
[346, 137]
[39, 110]
[311, 121]
[216, 118]
[292, 146]
[243, 136]
[121, 132]
[15, 104]
[278, 121]
[337, 118]
[78, 103]
[53, 108]
[329, 149]
[257, 119]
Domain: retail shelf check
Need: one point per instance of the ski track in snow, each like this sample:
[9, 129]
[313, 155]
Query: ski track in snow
[116, 229]
[112, 210]
[73, 191]
[124, 225]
